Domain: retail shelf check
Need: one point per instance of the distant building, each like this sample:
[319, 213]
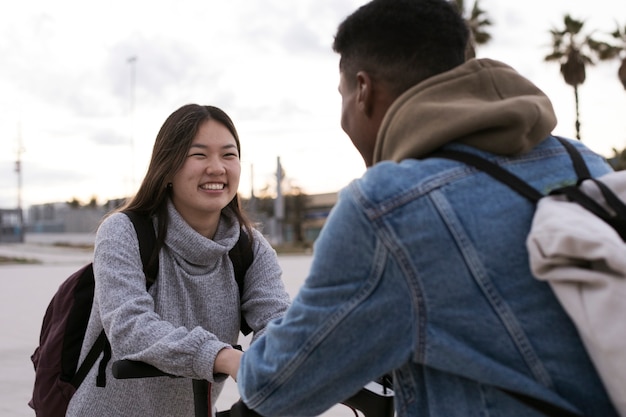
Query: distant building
[305, 217]
[316, 210]
[11, 226]
[63, 218]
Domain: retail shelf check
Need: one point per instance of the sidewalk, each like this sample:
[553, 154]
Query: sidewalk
[25, 291]
[52, 248]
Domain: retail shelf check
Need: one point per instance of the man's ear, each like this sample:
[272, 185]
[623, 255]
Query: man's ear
[365, 93]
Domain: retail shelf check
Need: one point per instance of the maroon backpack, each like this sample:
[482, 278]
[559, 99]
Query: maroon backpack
[57, 374]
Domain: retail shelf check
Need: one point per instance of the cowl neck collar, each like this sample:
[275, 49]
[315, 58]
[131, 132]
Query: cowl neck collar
[195, 248]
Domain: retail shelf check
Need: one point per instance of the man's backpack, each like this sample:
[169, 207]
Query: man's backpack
[57, 371]
[577, 244]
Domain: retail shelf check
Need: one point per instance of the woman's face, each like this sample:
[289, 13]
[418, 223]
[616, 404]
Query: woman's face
[209, 177]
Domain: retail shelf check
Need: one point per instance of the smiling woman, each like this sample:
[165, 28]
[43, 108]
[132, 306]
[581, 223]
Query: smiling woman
[187, 320]
[208, 180]
[196, 148]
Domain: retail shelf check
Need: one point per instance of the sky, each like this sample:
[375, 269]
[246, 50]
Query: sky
[85, 86]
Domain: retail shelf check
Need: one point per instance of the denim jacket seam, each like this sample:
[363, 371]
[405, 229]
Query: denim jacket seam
[431, 188]
[504, 313]
[385, 234]
[413, 282]
[374, 210]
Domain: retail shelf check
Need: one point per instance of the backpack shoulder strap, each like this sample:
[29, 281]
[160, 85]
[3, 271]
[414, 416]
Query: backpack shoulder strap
[147, 242]
[582, 171]
[241, 256]
[615, 218]
[496, 171]
[510, 179]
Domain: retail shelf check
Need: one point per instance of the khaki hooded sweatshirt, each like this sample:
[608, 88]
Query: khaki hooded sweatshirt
[482, 103]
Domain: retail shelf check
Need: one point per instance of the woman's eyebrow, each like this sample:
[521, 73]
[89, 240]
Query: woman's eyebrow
[203, 146]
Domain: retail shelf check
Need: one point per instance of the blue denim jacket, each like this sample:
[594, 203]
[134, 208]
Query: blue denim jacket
[422, 269]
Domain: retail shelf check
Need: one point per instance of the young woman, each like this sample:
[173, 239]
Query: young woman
[187, 321]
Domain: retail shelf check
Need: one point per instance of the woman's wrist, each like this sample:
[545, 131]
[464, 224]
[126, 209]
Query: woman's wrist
[227, 362]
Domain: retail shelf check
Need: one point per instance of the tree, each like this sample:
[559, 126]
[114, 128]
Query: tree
[607, 51]
[477, 21]
[618, 160]
[574, 51]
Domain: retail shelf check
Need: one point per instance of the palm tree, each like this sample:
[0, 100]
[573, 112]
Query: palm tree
[574, 51]
[611, 51]
[477, 21]
[618, 160]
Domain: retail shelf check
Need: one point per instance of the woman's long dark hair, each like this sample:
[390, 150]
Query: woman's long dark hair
[168, 155]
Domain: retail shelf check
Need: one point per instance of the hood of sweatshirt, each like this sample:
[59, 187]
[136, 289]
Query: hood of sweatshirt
[482, 103]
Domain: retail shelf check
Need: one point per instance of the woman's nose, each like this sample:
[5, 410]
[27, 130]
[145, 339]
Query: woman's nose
[215, 167]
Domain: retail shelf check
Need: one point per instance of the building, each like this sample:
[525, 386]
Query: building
[316, 209]
[304, 217]
[11, 226]
[63, 218]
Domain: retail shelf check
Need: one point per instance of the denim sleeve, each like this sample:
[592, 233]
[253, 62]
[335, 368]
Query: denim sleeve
[350, 323]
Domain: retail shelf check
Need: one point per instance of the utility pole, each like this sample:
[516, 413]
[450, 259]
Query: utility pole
[279, 203]
[252, 196]
[18, 171]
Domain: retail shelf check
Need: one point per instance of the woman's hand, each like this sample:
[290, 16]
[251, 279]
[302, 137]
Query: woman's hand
[227, 362]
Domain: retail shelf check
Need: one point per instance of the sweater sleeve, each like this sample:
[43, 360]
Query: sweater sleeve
[264, 297]
[128, 314]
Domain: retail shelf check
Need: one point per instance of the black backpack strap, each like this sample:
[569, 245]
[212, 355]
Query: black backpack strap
[241, 256]
[147, 243]
[91, 358]
[582, 171]
[616, 219]
[496, 171]
[512, 180]
[101, 378]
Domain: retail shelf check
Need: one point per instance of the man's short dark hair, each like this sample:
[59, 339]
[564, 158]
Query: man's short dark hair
[401, 42]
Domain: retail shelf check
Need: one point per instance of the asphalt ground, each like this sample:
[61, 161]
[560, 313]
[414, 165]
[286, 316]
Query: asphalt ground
[26, 289]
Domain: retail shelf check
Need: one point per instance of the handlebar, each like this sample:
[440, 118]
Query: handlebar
[373, 400]
[127, 369]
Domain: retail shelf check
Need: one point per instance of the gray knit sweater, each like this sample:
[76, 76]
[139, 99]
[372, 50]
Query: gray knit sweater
[181, 323]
